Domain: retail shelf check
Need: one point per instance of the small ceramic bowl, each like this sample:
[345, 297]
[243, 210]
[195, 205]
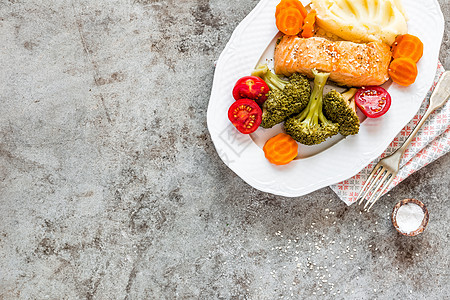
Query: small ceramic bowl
[424, 221]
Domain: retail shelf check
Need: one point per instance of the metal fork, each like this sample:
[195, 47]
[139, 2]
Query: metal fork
[387, 168]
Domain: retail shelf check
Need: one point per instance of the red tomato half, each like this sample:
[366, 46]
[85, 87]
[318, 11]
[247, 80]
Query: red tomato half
[245, 115]
[251, 87]
[373, 101]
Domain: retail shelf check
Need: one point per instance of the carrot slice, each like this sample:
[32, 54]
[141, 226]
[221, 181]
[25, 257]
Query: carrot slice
[408, 45]
[280, 149]
[308, 26]
[291, 3]
[403, 71]
[289, 21]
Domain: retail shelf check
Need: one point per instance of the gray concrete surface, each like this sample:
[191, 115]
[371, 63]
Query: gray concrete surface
[110, 187]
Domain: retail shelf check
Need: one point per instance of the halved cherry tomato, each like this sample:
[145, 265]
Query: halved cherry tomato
[251, 87]
[245, 115]
[373, 101]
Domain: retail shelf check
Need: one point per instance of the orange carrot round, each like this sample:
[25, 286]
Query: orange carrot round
[280, 149]
[289, 21]
[408, 45]
[308, 26]
[403, 71]
[291, 3]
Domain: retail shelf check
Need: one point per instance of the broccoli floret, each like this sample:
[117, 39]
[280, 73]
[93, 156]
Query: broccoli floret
[339, 109]
[311, 127]
[285, 97]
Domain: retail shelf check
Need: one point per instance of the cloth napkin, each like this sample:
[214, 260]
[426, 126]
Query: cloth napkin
[431, 142]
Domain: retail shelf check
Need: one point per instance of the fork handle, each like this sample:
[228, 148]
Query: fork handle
[437, 99]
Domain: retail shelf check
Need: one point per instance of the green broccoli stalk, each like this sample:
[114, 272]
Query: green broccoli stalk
[311, 127]
[273, 81]
[286, 97]
[340, 108]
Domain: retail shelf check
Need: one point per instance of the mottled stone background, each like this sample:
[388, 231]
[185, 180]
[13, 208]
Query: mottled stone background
[110, 186]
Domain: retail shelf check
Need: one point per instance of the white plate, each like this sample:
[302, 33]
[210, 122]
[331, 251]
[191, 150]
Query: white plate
[337, 159]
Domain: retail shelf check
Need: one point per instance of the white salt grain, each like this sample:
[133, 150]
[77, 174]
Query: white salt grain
[409, 217]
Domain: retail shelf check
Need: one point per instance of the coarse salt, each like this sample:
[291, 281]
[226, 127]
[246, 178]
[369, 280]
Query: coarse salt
[409, 217]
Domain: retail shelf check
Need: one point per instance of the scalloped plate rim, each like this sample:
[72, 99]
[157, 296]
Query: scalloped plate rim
[279, 188]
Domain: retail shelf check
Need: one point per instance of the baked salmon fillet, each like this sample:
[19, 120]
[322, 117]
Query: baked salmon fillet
[348, 63]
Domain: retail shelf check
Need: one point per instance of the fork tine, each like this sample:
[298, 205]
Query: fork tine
[363, 191]
[372, 182]
[375, 190]
[385, 187]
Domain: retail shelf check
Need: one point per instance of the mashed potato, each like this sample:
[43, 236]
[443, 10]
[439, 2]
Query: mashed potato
[362, 20]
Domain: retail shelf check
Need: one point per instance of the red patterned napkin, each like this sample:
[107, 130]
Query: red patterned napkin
[431, 142]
